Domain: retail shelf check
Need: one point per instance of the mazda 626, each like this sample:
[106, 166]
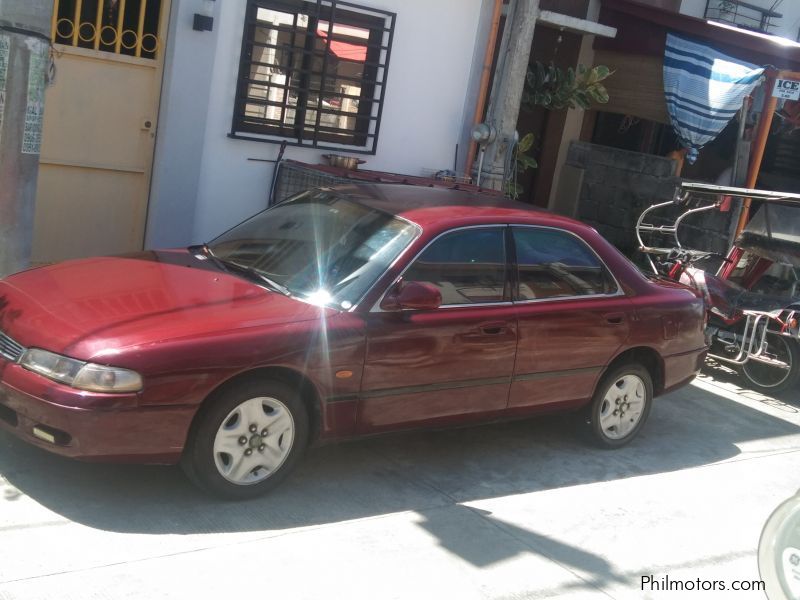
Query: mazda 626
[339, 313]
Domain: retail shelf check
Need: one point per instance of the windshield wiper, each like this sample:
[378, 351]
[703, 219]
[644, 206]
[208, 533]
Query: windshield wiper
[204, 250]
[249, 272]
[258, 276]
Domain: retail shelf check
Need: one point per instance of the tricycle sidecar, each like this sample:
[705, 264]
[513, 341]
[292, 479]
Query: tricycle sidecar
[753, 298]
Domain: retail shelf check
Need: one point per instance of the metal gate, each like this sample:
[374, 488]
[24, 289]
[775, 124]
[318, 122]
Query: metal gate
[99, 127]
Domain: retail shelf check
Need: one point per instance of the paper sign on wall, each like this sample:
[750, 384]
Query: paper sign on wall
[787, 89]
[34, 108]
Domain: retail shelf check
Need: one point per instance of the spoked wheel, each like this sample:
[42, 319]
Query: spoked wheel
[780, 373]
[621, 405]
[247, 439]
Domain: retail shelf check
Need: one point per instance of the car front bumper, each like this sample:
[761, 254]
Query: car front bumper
[89, 426]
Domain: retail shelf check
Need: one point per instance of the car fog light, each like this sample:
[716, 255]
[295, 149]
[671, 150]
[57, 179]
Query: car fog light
[44, 435]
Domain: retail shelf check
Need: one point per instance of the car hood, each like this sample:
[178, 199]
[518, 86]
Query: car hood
[90, 307]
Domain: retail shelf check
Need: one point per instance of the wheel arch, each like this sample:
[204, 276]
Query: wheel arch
[308, 392]
[649, 358]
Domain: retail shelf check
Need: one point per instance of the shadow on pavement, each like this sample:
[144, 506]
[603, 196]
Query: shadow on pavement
[416, 471]
[517, 540]
[723, 374]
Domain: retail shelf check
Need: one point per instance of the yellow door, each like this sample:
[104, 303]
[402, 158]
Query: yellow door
[99, 127]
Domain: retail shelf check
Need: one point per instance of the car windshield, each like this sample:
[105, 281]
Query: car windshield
[319, 246]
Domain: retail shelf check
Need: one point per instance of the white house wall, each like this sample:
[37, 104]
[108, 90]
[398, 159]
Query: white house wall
[204, 183]
[180, 130]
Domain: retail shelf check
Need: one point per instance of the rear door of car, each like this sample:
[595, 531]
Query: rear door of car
[572, 316]
[453, 361]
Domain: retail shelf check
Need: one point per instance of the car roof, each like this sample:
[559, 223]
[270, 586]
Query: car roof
[435, 207]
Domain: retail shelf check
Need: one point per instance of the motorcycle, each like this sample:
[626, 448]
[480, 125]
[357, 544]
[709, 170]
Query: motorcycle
[753, 296]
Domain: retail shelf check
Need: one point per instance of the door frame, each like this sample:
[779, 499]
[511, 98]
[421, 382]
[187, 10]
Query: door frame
[146, 168]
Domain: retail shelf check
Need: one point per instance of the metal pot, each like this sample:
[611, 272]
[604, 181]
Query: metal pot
[343, 162]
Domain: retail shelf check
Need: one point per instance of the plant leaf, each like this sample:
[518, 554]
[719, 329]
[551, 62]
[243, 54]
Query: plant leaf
[526, 162]
[525, 143]
[601, 72]
[541, 75]
[601, 94]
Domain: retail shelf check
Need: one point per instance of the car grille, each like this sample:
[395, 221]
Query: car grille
[9, 349]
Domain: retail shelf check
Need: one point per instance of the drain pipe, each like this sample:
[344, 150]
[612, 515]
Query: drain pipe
[759, 144]
[483, 89]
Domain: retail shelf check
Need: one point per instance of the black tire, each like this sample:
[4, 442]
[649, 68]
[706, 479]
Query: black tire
[599, 405]
[199, 461]
[756, 375]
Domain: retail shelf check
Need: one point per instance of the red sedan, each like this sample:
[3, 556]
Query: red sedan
[342, 312]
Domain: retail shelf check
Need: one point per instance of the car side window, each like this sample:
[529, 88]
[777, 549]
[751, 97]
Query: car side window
[468, 266]
[553, 263]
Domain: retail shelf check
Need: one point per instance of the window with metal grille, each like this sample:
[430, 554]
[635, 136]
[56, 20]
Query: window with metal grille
[313, 73]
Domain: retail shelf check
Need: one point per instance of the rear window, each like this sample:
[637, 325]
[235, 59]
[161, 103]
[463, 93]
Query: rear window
[553, 263]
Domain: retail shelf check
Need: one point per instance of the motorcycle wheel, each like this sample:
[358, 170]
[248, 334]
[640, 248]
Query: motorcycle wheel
[769, 379]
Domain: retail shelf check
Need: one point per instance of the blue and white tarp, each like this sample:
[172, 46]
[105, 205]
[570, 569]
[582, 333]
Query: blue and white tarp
[704, 90]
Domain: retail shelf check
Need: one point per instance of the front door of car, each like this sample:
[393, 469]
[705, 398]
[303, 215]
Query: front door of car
[572, 317]
[429, 366]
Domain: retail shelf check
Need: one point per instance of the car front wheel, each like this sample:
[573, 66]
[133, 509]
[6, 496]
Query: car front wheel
[620, 405]
[247, 439]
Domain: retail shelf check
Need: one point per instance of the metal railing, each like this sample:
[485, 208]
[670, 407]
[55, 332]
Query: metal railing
[743, 14]
[118, 26]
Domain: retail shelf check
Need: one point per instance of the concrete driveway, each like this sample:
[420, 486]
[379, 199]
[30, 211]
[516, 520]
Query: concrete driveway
[520, 510]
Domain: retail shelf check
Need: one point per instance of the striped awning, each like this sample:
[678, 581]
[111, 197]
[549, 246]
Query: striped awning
[704, 89]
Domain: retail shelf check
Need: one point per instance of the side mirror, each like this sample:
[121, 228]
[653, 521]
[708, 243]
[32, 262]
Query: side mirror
[414, 295]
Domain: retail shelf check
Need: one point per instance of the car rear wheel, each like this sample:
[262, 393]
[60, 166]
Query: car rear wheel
[781, 373]
[247, 439]
[620, 405]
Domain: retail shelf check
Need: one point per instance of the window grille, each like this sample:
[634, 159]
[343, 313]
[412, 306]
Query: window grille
[128, 27]
[313, 73]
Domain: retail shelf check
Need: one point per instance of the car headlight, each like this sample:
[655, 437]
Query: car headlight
[79, 374]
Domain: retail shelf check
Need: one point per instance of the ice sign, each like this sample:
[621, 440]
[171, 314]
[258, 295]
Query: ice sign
[787, 89]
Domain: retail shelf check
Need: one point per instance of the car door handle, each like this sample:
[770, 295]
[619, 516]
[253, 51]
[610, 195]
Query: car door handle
[614, 318]
[493, 328]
